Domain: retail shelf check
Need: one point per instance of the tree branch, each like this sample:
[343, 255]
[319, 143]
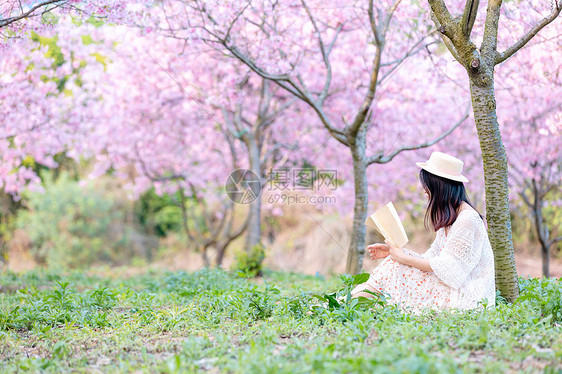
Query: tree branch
[399, 61]
[380, 159]
[501, 57]
[375, 68]
[373, 23]
[185, 219]
[239, 231]
[469, 16]
[7, 21]
[324, 51]
[490, 39]
[149, 175]
[441, 12]
[412, 51]
[448, 42]
[389, 15]
[277, 111]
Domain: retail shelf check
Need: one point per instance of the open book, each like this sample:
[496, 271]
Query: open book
[388, 223]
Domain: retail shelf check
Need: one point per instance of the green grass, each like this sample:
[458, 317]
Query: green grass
[216, 321]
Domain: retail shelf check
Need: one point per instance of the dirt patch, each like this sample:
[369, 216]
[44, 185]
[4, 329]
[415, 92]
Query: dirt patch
[529, 266]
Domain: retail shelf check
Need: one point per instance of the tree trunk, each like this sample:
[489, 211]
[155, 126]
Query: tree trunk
[541, 228]
[543, 239]
[220, 255]
[545, 261]
[495, 178]
[253, 236]
[357, 246]
[205, 257]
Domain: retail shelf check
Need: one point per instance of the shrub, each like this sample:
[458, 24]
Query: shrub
[8, 210]
[545, 294]
[249, 264]
[73, 226]
[339, 305]
[158, 214]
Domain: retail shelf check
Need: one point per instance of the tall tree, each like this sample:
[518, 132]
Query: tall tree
[479, 63]
[301, 47]
[250, 109]
[184, 127]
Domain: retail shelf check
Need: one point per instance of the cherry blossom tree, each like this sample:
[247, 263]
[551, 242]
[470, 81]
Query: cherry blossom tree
[249, 107]
[184, 128]
[479, 63]
[153, 132]
[42, 103]
[541, 187]
[335, 59]
[369, 76]
[42, 107]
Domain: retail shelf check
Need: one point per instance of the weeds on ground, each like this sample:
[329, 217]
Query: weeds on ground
[214, 320]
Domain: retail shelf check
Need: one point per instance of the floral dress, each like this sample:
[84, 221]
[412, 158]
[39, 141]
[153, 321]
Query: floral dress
[463, 271]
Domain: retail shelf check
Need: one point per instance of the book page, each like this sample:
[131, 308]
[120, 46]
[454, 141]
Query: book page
[388, 223]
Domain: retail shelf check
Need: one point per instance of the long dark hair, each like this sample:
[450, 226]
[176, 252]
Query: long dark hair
[445, 198]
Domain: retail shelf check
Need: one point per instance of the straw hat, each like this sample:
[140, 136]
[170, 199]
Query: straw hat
[444, 165]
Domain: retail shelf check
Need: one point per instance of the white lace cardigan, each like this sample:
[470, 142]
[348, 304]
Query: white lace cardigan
[463, 259]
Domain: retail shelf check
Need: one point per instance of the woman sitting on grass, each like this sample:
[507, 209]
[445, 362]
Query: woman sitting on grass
[458, 269]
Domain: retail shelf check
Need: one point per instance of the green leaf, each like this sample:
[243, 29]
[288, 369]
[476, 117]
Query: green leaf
[332, 302]
[360, 278]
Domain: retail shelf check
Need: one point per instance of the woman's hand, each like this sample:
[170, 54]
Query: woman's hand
[378, 250]
[398, 254]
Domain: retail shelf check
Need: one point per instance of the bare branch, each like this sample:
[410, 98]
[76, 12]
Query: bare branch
[380, 159]
[282, 80]
[230, 126]
[448, 42]
[412, 51]
[374, 76]
[239, 231]
[439, 9]
[277, 146]
[398, 62]
[490, 39]
[291, 86]
[338, 134]
[275, 113]
[501, 57]
[389, 15]
[325, 51]
[149, 175]
[373, 23]
[469, 16]
[43, 4]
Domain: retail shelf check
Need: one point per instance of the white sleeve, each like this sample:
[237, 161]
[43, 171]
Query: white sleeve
[459, 256]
